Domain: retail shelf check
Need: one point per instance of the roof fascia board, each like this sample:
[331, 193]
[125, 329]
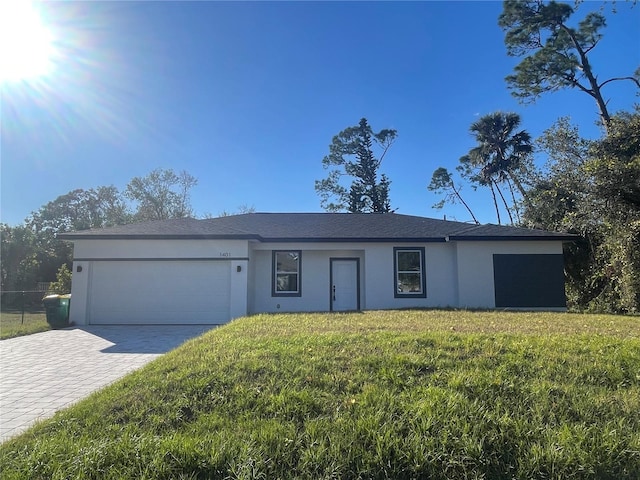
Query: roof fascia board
[73, 237]
[354, 240]
[498, 238]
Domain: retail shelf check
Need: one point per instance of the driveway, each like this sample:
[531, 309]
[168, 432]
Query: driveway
[45, 372]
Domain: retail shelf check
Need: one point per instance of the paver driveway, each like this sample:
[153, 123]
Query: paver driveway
[45, 372]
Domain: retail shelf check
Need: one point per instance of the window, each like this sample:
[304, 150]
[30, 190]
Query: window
[286, 274]
[409, 272]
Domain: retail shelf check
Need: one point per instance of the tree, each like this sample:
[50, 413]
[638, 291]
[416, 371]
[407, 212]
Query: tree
[31, 252]
[556, 55]
[593, 188]
[502, 156]
[161, 195]
[20, 265]
[81, 210]
[558, 198]
[76, 210]
[62, 285]
[351, 155]
[442, 182]
[615, 167]
[241, 210]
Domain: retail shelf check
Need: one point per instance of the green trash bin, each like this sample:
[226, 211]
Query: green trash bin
[57, 308]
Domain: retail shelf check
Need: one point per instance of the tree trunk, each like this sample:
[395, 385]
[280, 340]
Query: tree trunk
[453, 187]
[513, 199]
[495, 202]
[593, 82]
[506, 206]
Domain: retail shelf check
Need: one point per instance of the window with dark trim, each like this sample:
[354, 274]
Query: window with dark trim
[286, 272]
[409, 272]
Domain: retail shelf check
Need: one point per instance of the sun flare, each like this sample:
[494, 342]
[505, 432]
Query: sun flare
[26, 44]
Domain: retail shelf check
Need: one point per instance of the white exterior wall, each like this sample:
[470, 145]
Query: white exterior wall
[87, 252]
[441, 284]
[458, 274]
[315, 274]
[239, 288]
[79, 292]
[376, 276]
[132, 249]
[475, 267]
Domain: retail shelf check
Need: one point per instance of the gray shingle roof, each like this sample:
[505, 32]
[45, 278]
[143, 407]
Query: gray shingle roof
[306, 227]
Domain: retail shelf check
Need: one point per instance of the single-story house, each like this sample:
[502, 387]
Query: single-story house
[213, 270]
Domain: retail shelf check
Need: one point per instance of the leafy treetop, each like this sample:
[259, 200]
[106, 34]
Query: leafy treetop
[351, 155]
[556, 55]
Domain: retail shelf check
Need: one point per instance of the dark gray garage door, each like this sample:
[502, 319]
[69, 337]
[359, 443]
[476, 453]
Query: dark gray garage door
[535, 281]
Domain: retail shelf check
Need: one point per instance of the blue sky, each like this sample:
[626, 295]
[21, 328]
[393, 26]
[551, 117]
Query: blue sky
[247, 97]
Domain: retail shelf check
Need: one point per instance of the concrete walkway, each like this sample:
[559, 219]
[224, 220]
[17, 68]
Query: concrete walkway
[45, 372]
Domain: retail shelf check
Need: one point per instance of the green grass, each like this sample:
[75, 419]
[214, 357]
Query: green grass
[12, 324]
[404, 394]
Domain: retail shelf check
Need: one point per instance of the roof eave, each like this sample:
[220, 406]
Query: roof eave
[191, 236]
[459, 238]
[353, 239]
[497, 238]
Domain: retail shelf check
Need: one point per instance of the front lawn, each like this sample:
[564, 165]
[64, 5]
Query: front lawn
[403, 394]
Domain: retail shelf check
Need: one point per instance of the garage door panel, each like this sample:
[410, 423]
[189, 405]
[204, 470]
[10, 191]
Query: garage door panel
[157, 292]
[529, 281]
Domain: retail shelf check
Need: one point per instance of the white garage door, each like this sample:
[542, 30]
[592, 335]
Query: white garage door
[159, 292]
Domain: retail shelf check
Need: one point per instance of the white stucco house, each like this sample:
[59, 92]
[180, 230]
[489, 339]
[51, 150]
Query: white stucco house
[211, 271]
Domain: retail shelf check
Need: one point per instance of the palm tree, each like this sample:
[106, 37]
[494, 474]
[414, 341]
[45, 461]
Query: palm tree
[503, 155]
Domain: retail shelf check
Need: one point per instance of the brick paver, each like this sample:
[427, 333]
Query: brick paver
[45, 372]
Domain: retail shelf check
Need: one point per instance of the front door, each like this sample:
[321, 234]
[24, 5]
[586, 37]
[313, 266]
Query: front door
[345, 284]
